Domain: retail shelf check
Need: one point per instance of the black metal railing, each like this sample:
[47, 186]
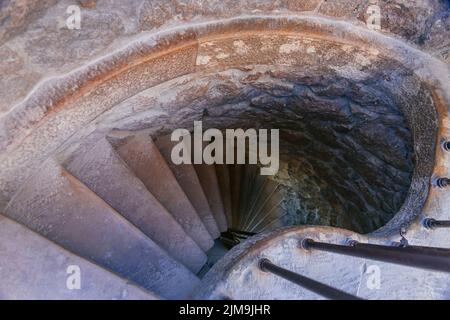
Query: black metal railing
[430, 223]
[443, 182]
[431, 258]
[446, 145]
[305, 282]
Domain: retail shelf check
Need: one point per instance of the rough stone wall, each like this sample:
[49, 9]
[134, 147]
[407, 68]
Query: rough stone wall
[346, 147]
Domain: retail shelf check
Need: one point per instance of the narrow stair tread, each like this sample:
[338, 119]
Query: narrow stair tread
[58, 206]
[208, 179]
[143, 157]
[33, 267]
[189, 182]
[223, 177]
[104, 172]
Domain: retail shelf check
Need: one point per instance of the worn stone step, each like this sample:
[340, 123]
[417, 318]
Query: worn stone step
[236, 172]
[58, 206]
[188, 180]
[265, 211]
[104, 172]
[33, 267]
[251, 181]
[208, 179]
[144, 159]
[223, 177]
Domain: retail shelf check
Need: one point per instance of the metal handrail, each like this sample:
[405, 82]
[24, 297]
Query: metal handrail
[312, 285]
[430, 223]
[437, 259]
[443, 182]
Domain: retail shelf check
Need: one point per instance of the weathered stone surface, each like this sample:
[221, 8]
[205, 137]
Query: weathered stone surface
[144, 159]
[87, 108]
[39, 27]
[260, 203]
[156, 13]
[51, 45]
[102, 171]
[208, 179]
[28, 258]
[15, 16]
[188, 180]
[65, 211]
[13, 64]
[223, 177]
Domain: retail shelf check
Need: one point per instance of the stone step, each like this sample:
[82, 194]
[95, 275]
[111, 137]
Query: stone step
[250, 188]
[58, 206]
[104, 172]
[33, 267]
[188, 180]
[208, 179]
[236, 172]
[265, 211]
[144, 159]
[223, 177]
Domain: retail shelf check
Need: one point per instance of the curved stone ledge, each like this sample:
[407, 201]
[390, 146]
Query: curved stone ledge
[35, 42]
[237, 275]
[58, 108]
[57, 92]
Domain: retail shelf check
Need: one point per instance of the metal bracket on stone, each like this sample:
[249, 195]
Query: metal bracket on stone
[403, 243]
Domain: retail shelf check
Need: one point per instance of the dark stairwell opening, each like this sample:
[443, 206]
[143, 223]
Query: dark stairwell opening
[355, 152]
[346, 152]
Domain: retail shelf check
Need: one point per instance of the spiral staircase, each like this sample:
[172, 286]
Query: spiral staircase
[87, 182]
[140, 227]
[123, 207]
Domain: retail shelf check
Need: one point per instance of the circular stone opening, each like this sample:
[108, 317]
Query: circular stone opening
[346, 150]
[357, 127]
[346, 145]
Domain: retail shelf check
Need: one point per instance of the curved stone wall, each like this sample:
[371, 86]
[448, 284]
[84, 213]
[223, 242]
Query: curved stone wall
[317, 78]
